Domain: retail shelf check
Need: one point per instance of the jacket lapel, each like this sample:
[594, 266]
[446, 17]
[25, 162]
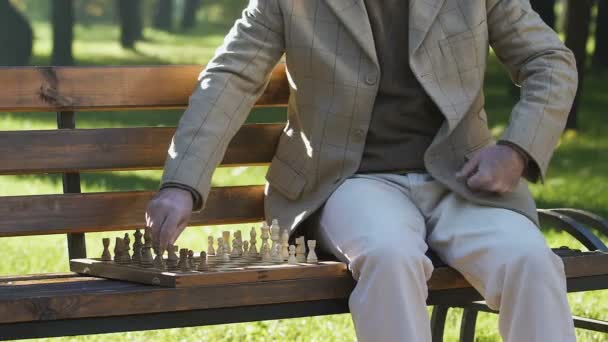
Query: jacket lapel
[353, 15]
[422, 15]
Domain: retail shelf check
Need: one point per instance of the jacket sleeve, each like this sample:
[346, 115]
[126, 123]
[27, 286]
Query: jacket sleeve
[545, 69]
[227, 90]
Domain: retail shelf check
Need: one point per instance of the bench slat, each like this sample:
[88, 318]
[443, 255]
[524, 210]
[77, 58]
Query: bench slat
[72, 213]
[81, 299]
[81, 150]
[112, 88]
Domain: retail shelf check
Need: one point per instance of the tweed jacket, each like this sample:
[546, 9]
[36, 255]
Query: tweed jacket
[334, 73]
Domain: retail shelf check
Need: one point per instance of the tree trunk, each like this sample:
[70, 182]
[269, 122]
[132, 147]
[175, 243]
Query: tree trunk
[577, 34]
[130, 22]
[63, 32]
[163, 19]
[16, 36]
[546, 10]
[139, 20]
[189, 15]
[600, 57]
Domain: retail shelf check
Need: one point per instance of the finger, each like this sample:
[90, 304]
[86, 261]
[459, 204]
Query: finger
[167, 230]
[177, 233]
[469, 168]
[156, 226]
[481, 181]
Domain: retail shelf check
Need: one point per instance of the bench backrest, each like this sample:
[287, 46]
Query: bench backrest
[69, 151]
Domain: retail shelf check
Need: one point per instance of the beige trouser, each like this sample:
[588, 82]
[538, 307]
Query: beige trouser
[383, 224]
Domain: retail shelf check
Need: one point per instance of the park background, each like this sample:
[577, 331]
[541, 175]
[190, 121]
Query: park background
[152, 32]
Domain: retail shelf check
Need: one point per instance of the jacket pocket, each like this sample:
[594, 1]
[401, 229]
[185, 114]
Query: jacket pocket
[285, 179]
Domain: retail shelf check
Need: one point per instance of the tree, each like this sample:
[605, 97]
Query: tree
[577, 34]
[63, 32]
[600, 57]
[189, 15]
[163, 19]
[16, 36]
[130, 22]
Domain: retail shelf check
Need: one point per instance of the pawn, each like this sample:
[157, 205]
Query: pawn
[202, 265]
[172, 257]
[191, 262]
[253, 250]
[127, 242]
[300, 249]
[245, 249]
[220, 246]
[159, 261]
[210, 249]
[312, 256]
[266, 257]
[105, 255]
[183, 263]
[147, 260]
[292, 256]
[235, 248]
[137, 244]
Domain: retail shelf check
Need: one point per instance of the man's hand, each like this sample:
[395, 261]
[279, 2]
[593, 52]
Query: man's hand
[167, 215]
[494, 169]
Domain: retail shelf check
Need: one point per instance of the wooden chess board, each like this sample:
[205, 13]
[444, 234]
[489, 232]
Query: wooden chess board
[234, 271]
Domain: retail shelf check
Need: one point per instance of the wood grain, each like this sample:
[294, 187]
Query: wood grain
[112, 88]
[81, 150]
[85, 297]
[70, 213]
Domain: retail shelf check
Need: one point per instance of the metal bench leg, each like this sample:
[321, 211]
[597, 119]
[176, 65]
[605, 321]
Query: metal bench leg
[468, 324]
[438, 318]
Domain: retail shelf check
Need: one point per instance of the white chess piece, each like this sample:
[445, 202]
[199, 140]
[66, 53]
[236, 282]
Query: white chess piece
[253, 250]
[275, 236]
[210, 249]
[292, 256]
[312, 256]
[245, 249]
[285, 245]
[300, 249]
[265, 235]
[266, 257]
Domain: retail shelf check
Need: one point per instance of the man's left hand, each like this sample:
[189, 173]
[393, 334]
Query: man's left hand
[494, 169]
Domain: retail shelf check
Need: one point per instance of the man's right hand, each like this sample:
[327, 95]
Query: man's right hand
[168, 215]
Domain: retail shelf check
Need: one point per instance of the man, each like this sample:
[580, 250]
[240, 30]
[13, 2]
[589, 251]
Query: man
[387, 150]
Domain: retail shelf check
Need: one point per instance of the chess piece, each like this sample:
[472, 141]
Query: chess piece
[253, 250]
[300, 249]
[191, 262]
[235, 251]
[105, 255]
[265, 235]
[312, 255]
[226, 237]
[239, 243]
[245, 249]
[172, 257]
[285, 245]
[118, 248]
[210, 249]
[137, 244]
[220, 246]
[146, 251]
[159, 261]
[292, 256]
[275, 250]
[183, 264]
[127, 242]
[266, 257]
[203, 266]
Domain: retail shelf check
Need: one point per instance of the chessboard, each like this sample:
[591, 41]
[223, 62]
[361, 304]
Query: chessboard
[219, 264]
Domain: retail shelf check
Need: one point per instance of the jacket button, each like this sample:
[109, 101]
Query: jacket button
[371, 79]
[359, 135]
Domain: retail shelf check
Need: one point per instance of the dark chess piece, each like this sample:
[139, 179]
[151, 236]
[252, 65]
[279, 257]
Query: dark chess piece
[118, 250]
[183, 263]
[146, 251]
[159, 261]
[105, 255]
[127, 255]
[202, 265]
[191, 262]
[137, 245]
[172, 258]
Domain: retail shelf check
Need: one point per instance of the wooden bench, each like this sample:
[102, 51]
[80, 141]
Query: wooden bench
[68, 304]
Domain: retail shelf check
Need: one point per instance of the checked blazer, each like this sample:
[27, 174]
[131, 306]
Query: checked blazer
[334, 75]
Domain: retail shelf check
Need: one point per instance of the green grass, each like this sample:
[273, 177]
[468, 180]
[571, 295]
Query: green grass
[578, 178]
